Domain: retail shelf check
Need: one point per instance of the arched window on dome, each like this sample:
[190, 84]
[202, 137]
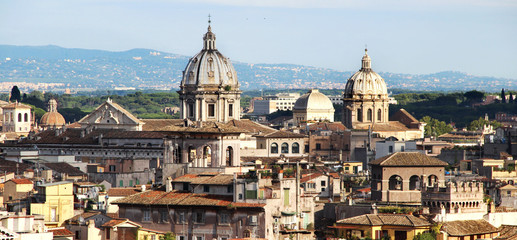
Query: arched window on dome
[359, 115]
[369, 114]
[379, 115]
[274, 148]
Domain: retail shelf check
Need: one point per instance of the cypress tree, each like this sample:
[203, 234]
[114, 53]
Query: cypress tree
[503, 96]
[15, 94]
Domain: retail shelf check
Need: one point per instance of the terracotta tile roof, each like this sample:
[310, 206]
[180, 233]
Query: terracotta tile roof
[160, 124]
[468, 227]
[16, 105]
[335, 126]
[21, 181]
[10, 166]
[408, 159]
[122, 192]
[385, 219]
[310, 177]
[250, 126]
[62, 232]
[404, 117]
[507, 232]
[391, 126]
[219, 179]
[118, 221]
[178, 198]
[63, 167]
[112, 215]
[281, 134]
[85, 216]
[134, 134]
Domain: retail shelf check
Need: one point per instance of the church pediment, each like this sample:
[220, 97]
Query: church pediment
[110, 114]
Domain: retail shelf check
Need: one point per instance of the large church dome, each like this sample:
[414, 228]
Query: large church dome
[209, 67]
[366, 82]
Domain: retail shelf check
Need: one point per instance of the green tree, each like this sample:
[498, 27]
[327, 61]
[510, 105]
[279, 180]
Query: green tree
[503, 96]
[434, 127]
[474, 96]
[15, 94]
[479, 123]
[168, 236]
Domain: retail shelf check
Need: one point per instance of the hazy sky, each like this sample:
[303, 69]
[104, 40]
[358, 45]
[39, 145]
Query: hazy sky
[403, 36]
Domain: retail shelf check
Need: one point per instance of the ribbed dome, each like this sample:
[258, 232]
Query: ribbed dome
[210, 67]
[52, 117]
[313, 100]
[365, 81]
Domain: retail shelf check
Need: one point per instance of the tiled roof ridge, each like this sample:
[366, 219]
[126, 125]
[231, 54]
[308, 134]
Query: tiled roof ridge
[411, 221]
[370, 220]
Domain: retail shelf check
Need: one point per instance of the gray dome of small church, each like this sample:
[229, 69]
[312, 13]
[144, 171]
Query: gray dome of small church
[366, 81]
[209, 67]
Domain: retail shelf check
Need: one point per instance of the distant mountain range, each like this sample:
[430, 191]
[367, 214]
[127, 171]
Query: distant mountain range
[56, 68]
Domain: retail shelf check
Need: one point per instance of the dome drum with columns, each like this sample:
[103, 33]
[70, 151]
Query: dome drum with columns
[365, 99]
[209, 90]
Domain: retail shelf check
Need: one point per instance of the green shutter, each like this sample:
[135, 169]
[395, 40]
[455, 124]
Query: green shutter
[286, 197]
[130, 183]
[121, 183]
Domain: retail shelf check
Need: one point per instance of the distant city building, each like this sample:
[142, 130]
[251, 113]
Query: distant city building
[338, 99]
[313, 107]
[273, 103]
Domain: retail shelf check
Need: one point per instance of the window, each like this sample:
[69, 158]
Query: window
[77, 235]
[318, 146]
[185, 186]
[180, 217]
[229, 189]
[295, 148]
[131, 183]
[230, 110]
[274, 148]
[121, 183]
[359, 115]
[181, 237]
[285, 148]
[286, 196]
[323, 189]
[229, 156]
[147, 216]
[198, 216]
[369, 115]
[323, 183]
[206, 188]
[395, 183]
[199, 238]
[164, 216]
[108, 233]
[224, 218]
[390, 149]
[253, 220]
[211, 110]
[113, 168]
[26, 117]
[190, 110]
[379, 115]
[19, 117]
[240, 196]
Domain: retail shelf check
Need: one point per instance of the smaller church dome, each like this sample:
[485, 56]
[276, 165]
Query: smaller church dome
[52, 117]
[313, 100]
[365, 81]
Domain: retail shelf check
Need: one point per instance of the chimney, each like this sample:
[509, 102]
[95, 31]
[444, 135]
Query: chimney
[374, 209]
[168, 184]
[280, 174]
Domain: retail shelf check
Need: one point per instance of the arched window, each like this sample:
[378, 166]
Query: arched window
[274, 148]
[19, 117]
[431, 180]
[379, 115]
[285, 148]
[177, 155]
[207, 155]
[191, 154]
[295, 148]
[414, 183]
[229, 156]
[395, 183]
[369, 114]
[26, 117]
[359, 115]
